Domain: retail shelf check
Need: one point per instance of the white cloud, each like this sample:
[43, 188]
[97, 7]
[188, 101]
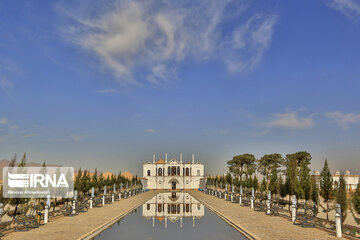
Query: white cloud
[108, 90]
[150, 130]
[5, 83]
[3, 120]
[343, 119]
[78, 138]
[291, 120]
[350, 8]
[252, 39]
[154, 37]
[13, 127]
[262, 133]
[29, 135]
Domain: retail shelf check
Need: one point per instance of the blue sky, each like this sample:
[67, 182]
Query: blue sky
[108, 84]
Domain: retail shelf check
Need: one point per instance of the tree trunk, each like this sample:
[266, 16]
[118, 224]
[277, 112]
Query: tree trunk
[289, 201]
[327, 210]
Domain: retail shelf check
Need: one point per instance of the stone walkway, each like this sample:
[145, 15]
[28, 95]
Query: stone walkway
[83, 224]
[259, 225]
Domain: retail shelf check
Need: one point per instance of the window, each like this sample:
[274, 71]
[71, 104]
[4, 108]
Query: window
[148, 206]
[187, 172]
[198, 172]
[178, 171]
[159, 208]
[173, 208]
[148, 172]
[160, 171]
[187, 206]
[168, 170]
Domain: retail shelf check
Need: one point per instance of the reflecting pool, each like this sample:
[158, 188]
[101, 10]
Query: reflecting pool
[171, 215]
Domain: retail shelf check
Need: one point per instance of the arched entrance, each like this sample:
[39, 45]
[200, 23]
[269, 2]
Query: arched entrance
[174, 184]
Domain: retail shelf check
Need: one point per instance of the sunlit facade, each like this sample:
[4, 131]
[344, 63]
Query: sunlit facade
[173, 174]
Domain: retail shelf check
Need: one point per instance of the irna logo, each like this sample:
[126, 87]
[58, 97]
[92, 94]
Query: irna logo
[38, 182]
[34, 180]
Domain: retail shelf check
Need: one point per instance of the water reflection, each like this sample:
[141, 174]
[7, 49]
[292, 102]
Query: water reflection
[173, 206]
[171, 217]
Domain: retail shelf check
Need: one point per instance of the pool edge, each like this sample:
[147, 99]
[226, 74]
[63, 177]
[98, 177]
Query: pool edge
[92, 234]
[241, 229]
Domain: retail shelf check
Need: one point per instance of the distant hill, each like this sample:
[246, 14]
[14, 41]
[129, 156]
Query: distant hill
[5, 163]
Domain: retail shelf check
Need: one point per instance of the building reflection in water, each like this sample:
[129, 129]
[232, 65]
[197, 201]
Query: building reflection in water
[172, 206]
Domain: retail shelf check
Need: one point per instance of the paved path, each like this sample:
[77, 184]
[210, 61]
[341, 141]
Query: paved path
[81, 225]
[259, 225]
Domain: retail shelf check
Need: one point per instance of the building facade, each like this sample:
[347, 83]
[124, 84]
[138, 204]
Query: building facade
[173, 174]
[350, 179]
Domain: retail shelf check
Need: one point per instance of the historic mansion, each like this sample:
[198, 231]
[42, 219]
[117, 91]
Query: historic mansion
[173, 174]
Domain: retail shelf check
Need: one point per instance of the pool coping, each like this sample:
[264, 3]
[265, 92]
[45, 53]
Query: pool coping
[241, 229]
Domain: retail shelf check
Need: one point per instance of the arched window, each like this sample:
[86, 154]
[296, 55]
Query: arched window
[187, 172]
[160, 171]
[148, 172]
[198, 172]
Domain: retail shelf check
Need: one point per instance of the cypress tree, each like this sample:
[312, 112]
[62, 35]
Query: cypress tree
[263, 186]
[356, 199]
[23, 161]
[274, 185]
[341, 197]
[291, 181]
[12, 162]
[314, 190]
[304, 181]
[282, 187]
[255, 183]
[326, 186]
[77, 184]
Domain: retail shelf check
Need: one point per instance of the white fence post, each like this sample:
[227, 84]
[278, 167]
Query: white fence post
[252, 198]
[268, 205]
[240, 196]
[338, 221]
[293, 209]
